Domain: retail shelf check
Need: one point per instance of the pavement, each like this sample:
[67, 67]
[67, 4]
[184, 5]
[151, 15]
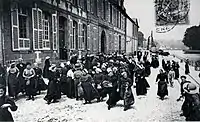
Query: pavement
[146, 108]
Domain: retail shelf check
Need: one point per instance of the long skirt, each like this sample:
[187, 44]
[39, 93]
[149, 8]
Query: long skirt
[162, 89]
[90, 92]
[128, 97]
[31, 88]
[53, 92]
[176, 73]
[64, 85]
[13, 85]
[69, 87]
[114, 97]
[22, 84]
[141, 87]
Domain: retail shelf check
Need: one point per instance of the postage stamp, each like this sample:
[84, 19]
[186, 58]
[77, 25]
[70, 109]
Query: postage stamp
[170, 13]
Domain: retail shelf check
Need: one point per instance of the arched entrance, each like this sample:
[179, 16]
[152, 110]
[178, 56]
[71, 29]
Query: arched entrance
[103, 42]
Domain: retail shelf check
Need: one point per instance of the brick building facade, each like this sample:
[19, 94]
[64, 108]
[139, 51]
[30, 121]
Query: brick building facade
[34, 29]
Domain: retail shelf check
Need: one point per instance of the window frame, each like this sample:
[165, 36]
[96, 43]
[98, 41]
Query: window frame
[24, 39]
[44, 40]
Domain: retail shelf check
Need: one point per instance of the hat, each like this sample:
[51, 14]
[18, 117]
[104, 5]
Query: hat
[62, 65]
[52, 67]
[183, 76]
[114, 68]
[85, 70]
[190, 88]
[20, 59]
[68, 63]
[111, 61]
[109, 70]
[98, 70]
[47, 57]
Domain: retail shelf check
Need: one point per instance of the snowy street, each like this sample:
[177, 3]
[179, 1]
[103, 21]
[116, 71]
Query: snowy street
[146, 108]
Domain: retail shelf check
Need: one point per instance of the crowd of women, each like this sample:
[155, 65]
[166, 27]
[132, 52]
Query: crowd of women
[94, 77]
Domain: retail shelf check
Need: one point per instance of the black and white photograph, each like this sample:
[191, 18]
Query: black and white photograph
[99, 60]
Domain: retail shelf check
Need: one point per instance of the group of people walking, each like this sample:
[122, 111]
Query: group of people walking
[94, 77]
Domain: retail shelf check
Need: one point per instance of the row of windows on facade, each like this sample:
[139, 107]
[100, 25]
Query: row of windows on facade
[105, 10]
[41, 31]
[109, 13]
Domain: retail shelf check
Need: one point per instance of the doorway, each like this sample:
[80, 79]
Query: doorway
[103, 42]
[62, 44]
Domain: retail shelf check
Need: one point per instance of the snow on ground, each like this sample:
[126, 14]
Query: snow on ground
[146, 108]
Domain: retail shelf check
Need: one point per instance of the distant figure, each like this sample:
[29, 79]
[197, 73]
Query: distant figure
[187, 70]
[46, 67]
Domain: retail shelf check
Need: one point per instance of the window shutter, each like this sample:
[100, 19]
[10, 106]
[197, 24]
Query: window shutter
[15, 29]
[71, 33]
[40, 29]
[54, 28]
[35, 28]
[88, 37]
[79, 35]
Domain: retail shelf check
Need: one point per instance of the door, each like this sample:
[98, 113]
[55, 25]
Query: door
[103, 42]
[62, 44]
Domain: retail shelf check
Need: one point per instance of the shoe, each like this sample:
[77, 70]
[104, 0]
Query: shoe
[55, 101]
[126, 108]
[162, 98]
[28, 98]
[85, 102]
[181, 114]
[109, 107]
[33, 98]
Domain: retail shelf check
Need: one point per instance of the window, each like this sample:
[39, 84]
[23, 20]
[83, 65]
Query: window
[41, 30]
[20, 35]
[120, 20]
[111, 17]
[74, 2]
[117, 20]
[84, 36]
[74, 43]
[46, 41]
[104, 9]
[95, 7]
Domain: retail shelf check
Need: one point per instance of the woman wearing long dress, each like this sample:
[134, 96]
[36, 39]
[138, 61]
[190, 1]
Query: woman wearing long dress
[31, 86]
[53, 91]
[126, 91]
[187, 69]
[141, 84]
[13, 83]
[162, 80]
[90, 92]
[46, 67]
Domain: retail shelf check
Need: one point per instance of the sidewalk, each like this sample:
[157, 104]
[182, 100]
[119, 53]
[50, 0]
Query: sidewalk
[194, 75]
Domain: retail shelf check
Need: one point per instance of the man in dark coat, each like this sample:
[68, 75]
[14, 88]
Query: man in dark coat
[21, 66]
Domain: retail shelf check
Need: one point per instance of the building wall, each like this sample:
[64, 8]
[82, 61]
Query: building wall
[106, 19]
[131, 37]
[1, 38]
